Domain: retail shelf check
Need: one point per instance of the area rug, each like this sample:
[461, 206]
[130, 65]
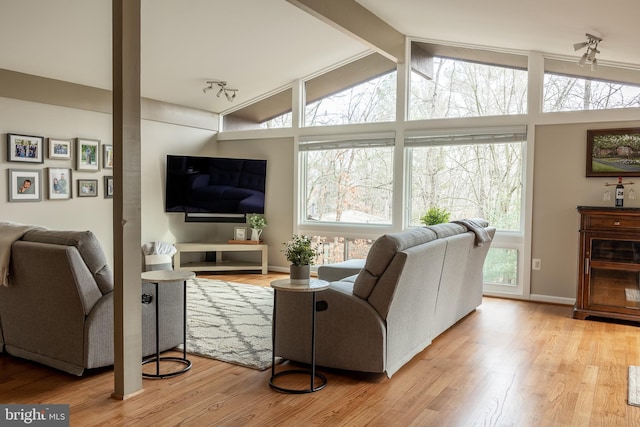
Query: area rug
[634, 386]
[230, 322]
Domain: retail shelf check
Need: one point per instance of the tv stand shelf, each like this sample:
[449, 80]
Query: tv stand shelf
[220, 264]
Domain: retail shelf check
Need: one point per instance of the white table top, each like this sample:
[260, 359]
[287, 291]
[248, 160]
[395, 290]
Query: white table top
[162, 276]
[313, 285]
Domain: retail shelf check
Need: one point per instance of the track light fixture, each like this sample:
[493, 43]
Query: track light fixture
[230, 94]
[589, 57]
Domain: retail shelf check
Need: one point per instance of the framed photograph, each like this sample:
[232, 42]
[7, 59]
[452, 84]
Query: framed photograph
[60, 148]
[24, 185]
[613, 152]
[108, 187]
[88, 155]
[239, 233]
[107, 156]
[25, 148]
[59, 187]
[87, 188]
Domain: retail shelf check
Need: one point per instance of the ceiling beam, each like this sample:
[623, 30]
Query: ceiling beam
[351, 18]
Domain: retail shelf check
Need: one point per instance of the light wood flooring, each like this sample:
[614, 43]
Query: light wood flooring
[509, 363]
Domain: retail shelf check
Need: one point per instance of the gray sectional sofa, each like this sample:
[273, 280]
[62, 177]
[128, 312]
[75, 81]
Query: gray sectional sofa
[413, 286]
[58, 306]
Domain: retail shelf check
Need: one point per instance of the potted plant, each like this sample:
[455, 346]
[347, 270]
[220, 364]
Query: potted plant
[435, 216]
[301, 253]
[256, 222]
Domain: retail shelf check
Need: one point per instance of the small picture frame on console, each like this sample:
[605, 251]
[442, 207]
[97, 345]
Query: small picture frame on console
[239, 233]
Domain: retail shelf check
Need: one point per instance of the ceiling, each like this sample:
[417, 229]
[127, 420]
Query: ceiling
[260, 46]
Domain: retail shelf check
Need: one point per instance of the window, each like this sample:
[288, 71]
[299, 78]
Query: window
[469, 174]
[337, 249]
[571, 93]
[467, 89]
[282, 121]
[369, 102]
[347, 181]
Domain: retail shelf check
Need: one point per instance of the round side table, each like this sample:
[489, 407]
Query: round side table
[168, 276]
[287, 285]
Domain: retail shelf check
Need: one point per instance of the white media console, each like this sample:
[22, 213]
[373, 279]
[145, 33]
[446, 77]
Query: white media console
[220, 264]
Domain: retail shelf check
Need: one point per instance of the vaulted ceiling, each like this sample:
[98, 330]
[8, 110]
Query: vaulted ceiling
[260, 46]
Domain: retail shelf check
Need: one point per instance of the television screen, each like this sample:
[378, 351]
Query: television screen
[214, 188]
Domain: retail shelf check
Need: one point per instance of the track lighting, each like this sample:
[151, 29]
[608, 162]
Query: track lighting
[230, 94]
[589, 57]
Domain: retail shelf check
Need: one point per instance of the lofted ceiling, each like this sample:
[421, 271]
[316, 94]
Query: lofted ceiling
[259, 46]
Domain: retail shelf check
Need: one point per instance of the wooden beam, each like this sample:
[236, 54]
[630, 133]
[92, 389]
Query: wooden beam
[358, 22]
[127, 265]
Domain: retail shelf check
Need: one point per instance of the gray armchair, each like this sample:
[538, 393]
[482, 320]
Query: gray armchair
[58, 307]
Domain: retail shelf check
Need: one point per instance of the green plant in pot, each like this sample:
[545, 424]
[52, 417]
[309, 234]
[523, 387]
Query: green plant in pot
[256, 222]
[435, 216]
[301, 253]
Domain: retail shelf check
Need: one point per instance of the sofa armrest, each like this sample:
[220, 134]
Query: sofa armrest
[340, 270]
[349, 332]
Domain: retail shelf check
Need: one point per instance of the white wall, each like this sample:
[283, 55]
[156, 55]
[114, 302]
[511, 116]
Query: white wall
[31, 118]
[95, 213]
[559, 186]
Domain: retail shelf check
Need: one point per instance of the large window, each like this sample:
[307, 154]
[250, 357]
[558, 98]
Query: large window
[469, 174]
[347, 181]
[467, 89]
[572, 93]
[369, 102]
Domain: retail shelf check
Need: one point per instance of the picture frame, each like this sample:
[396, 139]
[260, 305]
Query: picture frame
[88, 154]
[613, 152]
[24, 185]
[60, 148]
[107, 156]
[87, 188]
[25, 148]
[239, 233]
[59, 183]
[108, 187]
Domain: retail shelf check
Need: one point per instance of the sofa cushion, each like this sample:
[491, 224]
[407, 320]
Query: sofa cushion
[88, 246]
[382, 252]
[447, 229]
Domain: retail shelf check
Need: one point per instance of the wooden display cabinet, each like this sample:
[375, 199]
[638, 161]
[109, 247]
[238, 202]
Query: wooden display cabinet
[609, 264]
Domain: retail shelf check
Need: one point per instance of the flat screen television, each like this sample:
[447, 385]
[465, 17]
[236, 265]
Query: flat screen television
[215, 189]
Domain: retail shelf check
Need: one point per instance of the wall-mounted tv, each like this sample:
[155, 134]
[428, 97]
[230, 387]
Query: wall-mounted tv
[215, 189]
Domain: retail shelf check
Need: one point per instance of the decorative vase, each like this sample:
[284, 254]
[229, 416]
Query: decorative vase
[255, 234]
[300, 273]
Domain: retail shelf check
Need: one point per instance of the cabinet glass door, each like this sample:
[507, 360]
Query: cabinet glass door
[615, 273]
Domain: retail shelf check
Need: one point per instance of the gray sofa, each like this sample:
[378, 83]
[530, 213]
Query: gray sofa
[414, 285]
[58, 307]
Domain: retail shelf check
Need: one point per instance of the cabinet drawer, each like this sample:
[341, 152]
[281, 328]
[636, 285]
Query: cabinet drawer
[611, 222]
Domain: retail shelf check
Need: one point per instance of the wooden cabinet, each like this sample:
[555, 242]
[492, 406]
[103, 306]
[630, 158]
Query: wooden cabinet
[609, 264]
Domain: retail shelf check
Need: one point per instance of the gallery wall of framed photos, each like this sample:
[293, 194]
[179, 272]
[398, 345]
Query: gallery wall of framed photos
[44, 167]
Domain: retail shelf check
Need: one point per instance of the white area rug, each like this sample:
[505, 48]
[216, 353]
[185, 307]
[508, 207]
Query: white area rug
[230, 322]
[634, 386]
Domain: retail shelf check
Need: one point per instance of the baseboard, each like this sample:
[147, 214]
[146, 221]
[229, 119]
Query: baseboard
[552, 299]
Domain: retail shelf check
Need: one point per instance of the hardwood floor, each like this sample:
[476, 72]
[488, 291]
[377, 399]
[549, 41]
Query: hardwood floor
[510, 363]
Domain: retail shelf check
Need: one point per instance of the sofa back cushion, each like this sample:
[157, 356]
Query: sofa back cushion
[87, 245]
[382, 253]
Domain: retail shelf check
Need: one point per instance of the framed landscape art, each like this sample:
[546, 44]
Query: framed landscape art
[24, 185]
[613, 152]
[88, 155]
[25, 148]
